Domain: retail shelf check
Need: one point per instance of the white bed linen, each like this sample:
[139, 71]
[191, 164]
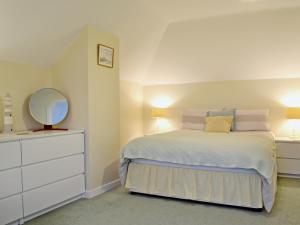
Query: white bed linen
[244, 151]
[208, 168]
[190, 147]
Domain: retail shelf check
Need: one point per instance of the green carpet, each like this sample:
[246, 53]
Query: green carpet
[117, 207]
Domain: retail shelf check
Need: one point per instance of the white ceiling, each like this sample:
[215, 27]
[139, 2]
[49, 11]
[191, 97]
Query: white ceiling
[37, 31]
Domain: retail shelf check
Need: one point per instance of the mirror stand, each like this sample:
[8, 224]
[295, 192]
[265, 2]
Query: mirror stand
[49, 128]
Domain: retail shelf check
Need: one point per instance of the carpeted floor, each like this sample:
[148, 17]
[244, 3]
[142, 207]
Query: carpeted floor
[117, 207]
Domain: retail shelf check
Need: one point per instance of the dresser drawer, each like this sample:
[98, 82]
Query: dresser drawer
[290, 166]
[10, 155]
[42, 149]
[288, 150]
[10, 209]
[10, 182]
[54, 170]
[52, 194]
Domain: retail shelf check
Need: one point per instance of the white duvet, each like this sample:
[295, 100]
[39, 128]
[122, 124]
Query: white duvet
[243, 150]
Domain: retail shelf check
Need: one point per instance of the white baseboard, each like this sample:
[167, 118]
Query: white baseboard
[288, 175]
[102, 189]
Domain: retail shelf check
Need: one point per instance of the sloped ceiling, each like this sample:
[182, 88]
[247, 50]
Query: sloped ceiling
[248, 46]
[37, 31]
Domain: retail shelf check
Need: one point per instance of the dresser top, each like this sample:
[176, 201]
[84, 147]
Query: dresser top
[30, 134]
[287, 139]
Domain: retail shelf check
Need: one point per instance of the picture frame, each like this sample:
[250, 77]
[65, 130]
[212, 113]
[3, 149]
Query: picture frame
[105, 56]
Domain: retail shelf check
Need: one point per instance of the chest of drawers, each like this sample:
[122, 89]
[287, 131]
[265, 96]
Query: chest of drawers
[288, 157]
[38, 172]
[10, 182]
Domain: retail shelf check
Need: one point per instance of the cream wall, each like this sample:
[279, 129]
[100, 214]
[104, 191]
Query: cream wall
[93, 92]
[274, 94]
[238, 60]
[104, 109]
[131, 111]
[70, 77]
[227, 47]
[21, 81]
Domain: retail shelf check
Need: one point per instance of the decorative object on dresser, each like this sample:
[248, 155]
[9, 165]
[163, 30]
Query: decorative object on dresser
[48, 107]
[293, 113]
[8, 117]
[288, 156]
[49, 174]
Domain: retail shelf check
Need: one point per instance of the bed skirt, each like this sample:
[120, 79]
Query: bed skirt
[222, 187]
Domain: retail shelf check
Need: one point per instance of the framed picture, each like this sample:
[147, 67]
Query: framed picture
[105, 56]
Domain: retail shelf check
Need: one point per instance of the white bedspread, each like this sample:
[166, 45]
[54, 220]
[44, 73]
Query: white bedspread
[244, 150]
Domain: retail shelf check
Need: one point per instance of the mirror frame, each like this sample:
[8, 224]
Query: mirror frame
[48, 126]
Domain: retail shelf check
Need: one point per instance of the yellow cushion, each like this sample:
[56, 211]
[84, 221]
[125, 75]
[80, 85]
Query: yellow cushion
[218, 123]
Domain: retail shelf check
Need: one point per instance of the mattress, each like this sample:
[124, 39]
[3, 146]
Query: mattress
[207, 168]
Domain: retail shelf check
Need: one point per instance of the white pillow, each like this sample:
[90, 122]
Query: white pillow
[252, 120]
[193, 119]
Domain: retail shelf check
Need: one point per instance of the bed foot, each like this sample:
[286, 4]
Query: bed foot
[195, 201]
[257, 209]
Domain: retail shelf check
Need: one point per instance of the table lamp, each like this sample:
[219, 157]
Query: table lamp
[158, 113]
[294, 114]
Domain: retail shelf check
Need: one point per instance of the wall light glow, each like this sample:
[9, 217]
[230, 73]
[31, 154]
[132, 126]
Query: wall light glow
[291, 99]
[292, 127]
[163, 125]
[162, 102]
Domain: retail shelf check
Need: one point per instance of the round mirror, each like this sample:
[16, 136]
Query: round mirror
[48, 106]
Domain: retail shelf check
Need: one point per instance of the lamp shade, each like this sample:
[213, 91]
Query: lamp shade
[158, 113]
[293, 113]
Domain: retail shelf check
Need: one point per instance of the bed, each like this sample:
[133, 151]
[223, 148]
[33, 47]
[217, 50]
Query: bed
[236, 168]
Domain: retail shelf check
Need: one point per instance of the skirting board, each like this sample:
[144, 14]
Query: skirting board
[288, 175]
[102, 189]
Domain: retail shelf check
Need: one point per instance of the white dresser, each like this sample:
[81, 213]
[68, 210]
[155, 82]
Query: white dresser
[288, 157]
[39, 172]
